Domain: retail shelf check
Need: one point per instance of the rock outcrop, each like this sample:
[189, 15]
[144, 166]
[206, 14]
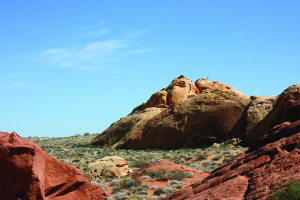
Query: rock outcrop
[198, 115]
[28, 173]
[108, 167]
[255, 174]
[165, 166]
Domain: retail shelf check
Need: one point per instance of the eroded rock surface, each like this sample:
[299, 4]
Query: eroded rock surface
[28, 173]
[198, 115]
[108, 167]
[255, 174]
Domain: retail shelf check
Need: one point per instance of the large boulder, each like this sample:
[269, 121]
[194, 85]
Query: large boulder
[28, 173]
[273, 161]
[107, 167]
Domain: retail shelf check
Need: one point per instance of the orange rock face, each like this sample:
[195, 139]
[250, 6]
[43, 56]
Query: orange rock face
[255, 174]
[28, 173]
[181, 88]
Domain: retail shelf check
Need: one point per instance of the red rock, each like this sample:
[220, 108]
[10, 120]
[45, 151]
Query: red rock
[164, 165]
[203, 84]
[28, 173]
[255, 174]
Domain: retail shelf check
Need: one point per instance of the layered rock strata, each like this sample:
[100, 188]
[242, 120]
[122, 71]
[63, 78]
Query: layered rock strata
[273, 161]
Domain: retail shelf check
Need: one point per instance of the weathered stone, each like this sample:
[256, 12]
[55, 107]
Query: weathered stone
[212, 116]
[255, 174]
[158, 99]
[181, 88]
[286, 108]
[108, 167]
[204, 83]
[28, 173]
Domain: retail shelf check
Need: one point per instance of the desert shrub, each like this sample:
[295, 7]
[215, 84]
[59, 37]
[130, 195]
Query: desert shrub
[117, 182]
[169, 190]
[139, 164]
[146, 186]
[200, 156]
[145, 177]
[133, 197]
[130, 184]
[103, 186]
[159, 191]
[226, 159]
[189, 175]
[291, 191]
[175, 184]
[116, 190]
[120, 196]
[141, 190]
[217, 156]
[177, 175]
[86, 134]
[153, 187]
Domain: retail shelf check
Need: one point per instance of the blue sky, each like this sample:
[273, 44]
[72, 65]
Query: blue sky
[71, 67]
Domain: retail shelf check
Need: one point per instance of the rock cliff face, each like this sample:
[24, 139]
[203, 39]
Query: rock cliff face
[28, 173]
[197, 115]
[255, 174]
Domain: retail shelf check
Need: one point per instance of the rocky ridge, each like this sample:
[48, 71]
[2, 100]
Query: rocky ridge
[254, 174]
[197, 115]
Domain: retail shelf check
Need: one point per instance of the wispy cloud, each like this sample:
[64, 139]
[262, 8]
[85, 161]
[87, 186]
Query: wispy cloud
[13, 86]
[136, 33]
[97, 33]
[132, 52]
[92, 56]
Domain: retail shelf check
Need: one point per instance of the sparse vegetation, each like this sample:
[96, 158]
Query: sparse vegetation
[76, 151]
[291, 191]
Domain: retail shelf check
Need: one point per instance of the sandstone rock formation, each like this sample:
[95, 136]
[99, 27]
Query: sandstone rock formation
[197, 115]
[108, 167]
[286, 108]
[255, 174]
[28, 173]
[164, 165]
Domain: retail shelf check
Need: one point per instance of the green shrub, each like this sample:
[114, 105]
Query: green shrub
[159, 191]
[217, 156]
[116, 190]
[120, 196]
[142, 191]
[291, 191]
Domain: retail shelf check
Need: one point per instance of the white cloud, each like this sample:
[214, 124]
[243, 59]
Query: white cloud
[93, 55]
[135, 33]
[90, 57]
